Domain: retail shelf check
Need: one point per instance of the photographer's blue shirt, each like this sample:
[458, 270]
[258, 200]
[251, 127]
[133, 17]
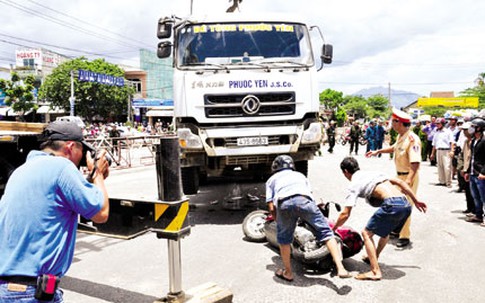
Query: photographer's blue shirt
[39, 214]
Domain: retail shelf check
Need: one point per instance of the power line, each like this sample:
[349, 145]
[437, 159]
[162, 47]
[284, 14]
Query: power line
[62, 23]
[86, 23]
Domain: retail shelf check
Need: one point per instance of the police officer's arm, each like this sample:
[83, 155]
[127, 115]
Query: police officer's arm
[409, 192]
[413, 170]
[102, 172]
[386, 150]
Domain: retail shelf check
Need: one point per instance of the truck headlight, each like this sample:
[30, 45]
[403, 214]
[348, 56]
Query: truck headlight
[313, 134]
[187, 139]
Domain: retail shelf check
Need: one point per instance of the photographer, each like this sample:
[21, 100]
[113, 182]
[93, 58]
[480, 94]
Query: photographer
[39, 213]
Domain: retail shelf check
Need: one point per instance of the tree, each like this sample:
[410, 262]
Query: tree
[477, 91]
[378, 106]
[356, 106]
[19, 93]
[92, 99]
[332, 99]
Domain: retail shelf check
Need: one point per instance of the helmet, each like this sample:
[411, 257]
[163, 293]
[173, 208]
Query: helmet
[441, 121]
[282, 162]
[478, 122]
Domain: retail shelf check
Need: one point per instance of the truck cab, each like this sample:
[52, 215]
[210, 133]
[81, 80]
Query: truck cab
[245, 91]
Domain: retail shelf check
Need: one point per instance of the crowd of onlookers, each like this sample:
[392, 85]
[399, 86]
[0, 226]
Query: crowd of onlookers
[455, 146]
[118, 129]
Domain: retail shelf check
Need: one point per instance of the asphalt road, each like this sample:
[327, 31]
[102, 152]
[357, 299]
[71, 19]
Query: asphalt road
[444, 263]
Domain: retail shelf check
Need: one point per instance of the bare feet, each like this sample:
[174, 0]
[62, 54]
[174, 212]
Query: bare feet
[344, 275]
[369, 276]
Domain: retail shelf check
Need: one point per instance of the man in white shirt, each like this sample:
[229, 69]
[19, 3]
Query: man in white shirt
[443, 151]
[388, 194]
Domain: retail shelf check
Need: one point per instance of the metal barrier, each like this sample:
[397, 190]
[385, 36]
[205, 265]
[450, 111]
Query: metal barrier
[122, 149]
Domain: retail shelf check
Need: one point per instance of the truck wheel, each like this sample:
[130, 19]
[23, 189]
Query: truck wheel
[190, 180]
[253, 226]
[302, 167]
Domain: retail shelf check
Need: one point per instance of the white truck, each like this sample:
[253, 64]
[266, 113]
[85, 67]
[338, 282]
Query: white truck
[245, 91]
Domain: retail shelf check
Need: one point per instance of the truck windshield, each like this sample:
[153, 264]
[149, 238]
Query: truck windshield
[227, 44]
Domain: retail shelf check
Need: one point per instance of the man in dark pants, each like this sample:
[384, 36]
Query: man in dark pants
[331, 136]
[355, 133]
[429, 129]
[476, 171]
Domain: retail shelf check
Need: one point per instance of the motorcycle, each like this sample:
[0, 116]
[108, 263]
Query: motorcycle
[260, 226]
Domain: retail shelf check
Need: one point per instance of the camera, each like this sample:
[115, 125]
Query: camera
[94, 155]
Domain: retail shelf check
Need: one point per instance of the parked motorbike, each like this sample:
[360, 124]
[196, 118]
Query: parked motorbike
[260, 226]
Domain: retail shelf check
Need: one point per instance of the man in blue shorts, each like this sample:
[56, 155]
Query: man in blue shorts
[388, 194]
[289, 197]
[39, 213]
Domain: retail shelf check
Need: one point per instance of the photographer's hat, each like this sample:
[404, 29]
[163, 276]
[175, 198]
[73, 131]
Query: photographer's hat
[65, 131]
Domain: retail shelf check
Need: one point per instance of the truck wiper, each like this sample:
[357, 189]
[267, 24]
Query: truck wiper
[254, 64]
[206, 64]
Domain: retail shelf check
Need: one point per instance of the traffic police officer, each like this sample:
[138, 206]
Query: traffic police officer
[407, 158]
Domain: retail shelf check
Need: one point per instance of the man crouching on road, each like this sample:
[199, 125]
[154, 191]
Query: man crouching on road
[394, 208]
[289, 192]
[39, 214]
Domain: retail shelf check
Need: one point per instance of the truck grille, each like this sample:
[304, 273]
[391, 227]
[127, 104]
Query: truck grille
[246, 160]
[230, 106]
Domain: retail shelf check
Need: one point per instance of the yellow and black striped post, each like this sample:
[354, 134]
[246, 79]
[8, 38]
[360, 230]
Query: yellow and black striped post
[171, 217]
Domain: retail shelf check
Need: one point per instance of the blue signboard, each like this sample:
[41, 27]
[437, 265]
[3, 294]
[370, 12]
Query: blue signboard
[2, 97]
[152, 102]
[89, 76]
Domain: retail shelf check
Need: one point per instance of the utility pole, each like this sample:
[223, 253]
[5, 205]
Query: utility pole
[389, 93]
[72, 98]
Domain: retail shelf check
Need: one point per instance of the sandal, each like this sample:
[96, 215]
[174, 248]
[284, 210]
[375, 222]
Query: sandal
[280, 273]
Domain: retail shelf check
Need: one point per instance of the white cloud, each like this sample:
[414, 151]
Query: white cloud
[416, 45]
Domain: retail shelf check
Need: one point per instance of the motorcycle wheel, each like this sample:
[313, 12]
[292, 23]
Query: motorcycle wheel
[320, 255]
[253, 226]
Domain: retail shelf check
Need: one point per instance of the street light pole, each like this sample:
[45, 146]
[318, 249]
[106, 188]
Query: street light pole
[72, 98]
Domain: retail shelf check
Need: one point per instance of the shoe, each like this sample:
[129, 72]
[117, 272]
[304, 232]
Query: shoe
[470, 214]
[440, 184]
[459, 191]
[402, 242]
[474, 219]
[448, 185]
[394, 235]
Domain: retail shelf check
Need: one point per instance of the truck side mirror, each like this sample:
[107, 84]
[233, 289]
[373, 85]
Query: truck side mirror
[164, 29]
[327, 53]
[164, 49]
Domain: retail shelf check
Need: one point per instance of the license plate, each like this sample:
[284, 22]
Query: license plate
[249, 141]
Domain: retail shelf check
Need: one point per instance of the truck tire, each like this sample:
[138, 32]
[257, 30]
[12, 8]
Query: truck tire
[302, 167]
[190, 180]
[253, 226]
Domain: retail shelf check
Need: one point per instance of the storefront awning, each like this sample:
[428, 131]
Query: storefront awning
[4, 110]
[11, 113]
[159, 113]
[46, 109]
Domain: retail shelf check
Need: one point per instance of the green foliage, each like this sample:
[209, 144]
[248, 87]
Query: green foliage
[91, 98]
[331, 98]
[435, 111]
[477, 91]
[19, 93]
[340, 116]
